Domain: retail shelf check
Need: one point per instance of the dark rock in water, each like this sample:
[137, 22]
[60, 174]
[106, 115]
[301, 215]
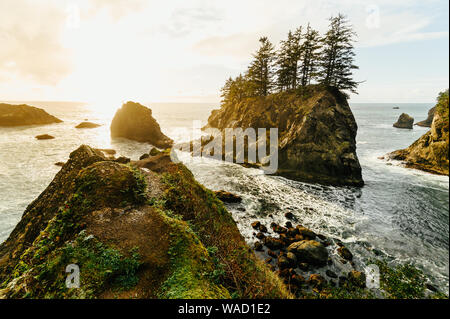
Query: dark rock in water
[357, 278]
[20, 115]
[430, 152]
[429, 120]
[45, 137]
[395, 108]
[135, 122]
[87, 125]
[306, 232]
[310, 251]
[317, 281]
[288, 224]
[272, 254]
[331, 274]
[256, 224]
[263, 228]
[404, 121]
[228, 197]
[144, 156]
[283, 262]
[122, 160]
[260, 235]
[316, 132]
[289, 215]
[273, 243]
[61, 164]
[345, 253]
[258, 246]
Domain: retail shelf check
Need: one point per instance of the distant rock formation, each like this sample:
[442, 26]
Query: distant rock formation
[21, 115]
[316, 132]
[430, 152]
[395, 108]
[45, 137]
[404, 121]
[429, 120]
[87, 125]
[135, 122]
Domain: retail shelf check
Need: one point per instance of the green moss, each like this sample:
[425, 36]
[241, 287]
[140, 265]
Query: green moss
[192, 272]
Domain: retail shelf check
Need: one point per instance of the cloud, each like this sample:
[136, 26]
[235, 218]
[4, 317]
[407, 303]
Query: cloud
[29, 37]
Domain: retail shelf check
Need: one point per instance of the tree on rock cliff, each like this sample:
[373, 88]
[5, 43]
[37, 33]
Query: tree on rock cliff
[338, 54]
[261, 71]
[235, 90]
[310, 56]
[288, 58]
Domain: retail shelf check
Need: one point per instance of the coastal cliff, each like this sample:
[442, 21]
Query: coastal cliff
[430, 152]
[145, 229]
[316, 130]
[20, 115]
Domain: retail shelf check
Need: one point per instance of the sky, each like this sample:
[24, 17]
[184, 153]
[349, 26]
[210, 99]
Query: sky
[184, 50]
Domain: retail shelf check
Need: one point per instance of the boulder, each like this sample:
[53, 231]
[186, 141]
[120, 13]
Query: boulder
[429, 120]
[404, 121]
[306, 232]
[310, 251]
[20, 115]
[317, 281]
[45, 137]
[316, 132]
[135, 122]
[345, 253]
[87, 125]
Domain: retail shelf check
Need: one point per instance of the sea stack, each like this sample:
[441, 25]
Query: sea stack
[404, 121]
[316, 132]
[87, 125]
[134, 121]
[21, 115]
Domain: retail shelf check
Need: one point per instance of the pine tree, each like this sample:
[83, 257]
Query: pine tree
[288, 58]
[310, 56]
[260, 72]
[338, 56]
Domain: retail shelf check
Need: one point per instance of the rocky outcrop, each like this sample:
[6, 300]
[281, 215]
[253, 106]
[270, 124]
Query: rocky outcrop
[430, 152]
[429, 120]
[21, 115]
[404, 121]
[87, 125]
[128, 229]
[316, 130]
[135, 122]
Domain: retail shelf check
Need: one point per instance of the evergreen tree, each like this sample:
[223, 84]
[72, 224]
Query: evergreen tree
[260, 72]
[338, 56]
[287, 60]
[310, 56]
[235, 90]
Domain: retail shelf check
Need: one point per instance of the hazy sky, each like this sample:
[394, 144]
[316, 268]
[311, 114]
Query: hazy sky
[183, 50]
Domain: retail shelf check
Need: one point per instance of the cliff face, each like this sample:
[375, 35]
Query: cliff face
[135, 122]
[429, 120]
[430, 152]
[141, 230]
[316, 129]
[19, 115]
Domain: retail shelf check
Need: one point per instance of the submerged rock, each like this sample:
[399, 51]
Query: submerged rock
[19, 115]
[404, 121]
[135, 122]
[316, 132]
[429, 120]
[87, 125]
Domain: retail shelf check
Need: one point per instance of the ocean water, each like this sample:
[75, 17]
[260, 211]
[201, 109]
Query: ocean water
[401, 212]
